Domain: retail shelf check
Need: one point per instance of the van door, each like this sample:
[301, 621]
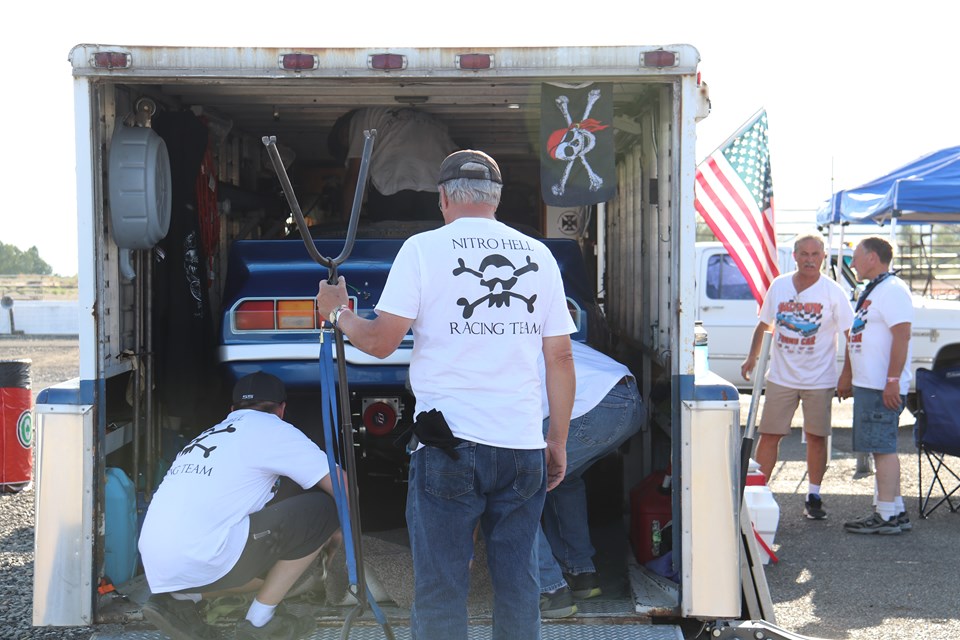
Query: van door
[728, 311]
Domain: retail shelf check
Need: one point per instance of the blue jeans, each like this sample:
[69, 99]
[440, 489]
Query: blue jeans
[564, 539]
[503, 489]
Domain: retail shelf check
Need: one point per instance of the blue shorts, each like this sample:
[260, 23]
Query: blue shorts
[874, 425]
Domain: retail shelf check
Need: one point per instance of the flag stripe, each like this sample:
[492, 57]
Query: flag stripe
[734, 196]
[740, 215]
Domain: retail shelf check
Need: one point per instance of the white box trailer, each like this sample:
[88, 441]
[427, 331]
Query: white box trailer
[639, 248]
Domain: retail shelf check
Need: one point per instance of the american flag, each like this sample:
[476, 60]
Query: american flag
[734, 195]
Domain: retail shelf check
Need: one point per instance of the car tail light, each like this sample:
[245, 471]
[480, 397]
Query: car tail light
[280, 314]
[380, 416]
[297, 314]
[254, 315]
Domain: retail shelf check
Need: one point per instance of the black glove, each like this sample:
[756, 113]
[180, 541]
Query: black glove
[431, 429]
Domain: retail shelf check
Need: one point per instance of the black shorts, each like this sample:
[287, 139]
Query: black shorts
[288, 529]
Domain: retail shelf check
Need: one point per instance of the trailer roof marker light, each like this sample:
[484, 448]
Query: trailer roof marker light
[299, 62]
[475, 61]
[659, 58]
[387, 62]
[111, 60]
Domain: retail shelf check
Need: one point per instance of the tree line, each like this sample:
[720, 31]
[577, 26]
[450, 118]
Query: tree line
[13, 261]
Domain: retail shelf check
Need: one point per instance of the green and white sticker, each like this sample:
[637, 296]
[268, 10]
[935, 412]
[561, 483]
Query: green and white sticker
[25, 429]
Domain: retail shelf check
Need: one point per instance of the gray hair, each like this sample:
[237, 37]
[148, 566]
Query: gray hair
[463, 190]
[879, 246]
[809, 236]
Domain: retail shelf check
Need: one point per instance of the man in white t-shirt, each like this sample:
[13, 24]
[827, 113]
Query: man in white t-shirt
[806, 312]
[484, 302]
[407, 152]
[877, 373]
[213, 526]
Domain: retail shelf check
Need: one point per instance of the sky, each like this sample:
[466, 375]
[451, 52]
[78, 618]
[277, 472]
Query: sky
[852, 89]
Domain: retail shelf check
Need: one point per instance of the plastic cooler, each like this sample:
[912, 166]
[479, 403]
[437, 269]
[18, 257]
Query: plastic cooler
[650, 513]
[16, 425]
[764, 514]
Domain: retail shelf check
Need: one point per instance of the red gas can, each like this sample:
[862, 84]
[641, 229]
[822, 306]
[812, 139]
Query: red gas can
[650, 513]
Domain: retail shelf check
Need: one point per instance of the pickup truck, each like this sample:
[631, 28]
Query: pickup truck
[729, 314]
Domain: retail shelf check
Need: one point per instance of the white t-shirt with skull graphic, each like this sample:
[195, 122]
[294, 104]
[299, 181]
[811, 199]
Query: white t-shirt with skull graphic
[482, 297]
[199, 518]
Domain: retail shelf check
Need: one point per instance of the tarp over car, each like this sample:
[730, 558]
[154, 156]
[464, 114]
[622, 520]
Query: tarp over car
[924, 191]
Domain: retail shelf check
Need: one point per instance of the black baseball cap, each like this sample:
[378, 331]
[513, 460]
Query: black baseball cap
[475, 165]
[259, 387]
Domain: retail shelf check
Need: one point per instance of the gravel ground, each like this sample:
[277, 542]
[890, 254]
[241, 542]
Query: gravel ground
[827, 584]
[53, 360]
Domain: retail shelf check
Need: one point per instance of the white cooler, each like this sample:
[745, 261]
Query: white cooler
[764, 514]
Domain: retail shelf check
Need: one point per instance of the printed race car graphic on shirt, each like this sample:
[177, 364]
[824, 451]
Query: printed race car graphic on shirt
[804, 318]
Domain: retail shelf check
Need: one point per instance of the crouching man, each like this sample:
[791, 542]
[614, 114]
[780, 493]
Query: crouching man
[214, 527]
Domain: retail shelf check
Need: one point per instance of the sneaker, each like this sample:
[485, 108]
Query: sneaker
[178, 619]
[813, 508]
[557, 604]
[282, 626]
[874, 523]
[583, 585]
[904, 521]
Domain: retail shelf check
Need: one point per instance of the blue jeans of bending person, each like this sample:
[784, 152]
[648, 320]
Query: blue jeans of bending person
[564, 540]
[503, 490]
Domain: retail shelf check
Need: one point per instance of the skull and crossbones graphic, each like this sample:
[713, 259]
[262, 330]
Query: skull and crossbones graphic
[575, 142]
[500, 288]
[195, 444]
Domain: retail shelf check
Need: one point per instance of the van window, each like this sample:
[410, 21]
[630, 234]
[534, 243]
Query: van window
[724, 280]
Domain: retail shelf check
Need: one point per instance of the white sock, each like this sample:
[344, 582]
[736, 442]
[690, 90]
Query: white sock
[813, 489]
[260, 614]
[886, 510]
[192, 597]
[898, 505]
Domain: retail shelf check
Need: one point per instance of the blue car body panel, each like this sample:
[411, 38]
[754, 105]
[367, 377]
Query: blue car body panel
[283, 269]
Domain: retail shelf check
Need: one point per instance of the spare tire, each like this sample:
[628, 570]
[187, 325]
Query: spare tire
[140, 187]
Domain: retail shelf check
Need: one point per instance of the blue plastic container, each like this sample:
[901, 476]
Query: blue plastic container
[120, 527]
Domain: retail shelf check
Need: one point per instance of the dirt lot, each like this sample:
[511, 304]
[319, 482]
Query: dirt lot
[827, 583]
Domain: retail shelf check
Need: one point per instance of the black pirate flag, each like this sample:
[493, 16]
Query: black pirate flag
[577, 163]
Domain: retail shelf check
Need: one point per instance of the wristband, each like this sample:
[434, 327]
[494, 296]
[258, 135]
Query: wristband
[889, 380]
[334, 316]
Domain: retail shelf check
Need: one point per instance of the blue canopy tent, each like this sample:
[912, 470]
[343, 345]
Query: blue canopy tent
[924, 191]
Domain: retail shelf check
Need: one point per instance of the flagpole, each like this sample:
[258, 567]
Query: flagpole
[736, 134]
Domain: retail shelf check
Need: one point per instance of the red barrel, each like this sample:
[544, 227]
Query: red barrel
[16, 425]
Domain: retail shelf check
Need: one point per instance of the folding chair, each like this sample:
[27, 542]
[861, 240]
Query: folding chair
[937, 435]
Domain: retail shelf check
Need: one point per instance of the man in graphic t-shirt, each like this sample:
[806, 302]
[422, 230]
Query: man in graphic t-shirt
[218, 525]
[484, 302]
[877, 373]
[806, 312]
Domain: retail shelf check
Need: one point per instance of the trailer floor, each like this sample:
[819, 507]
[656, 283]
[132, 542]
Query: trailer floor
[632, 597]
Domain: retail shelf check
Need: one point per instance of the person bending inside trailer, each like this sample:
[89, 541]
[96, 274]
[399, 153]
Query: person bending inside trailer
[217, 525]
